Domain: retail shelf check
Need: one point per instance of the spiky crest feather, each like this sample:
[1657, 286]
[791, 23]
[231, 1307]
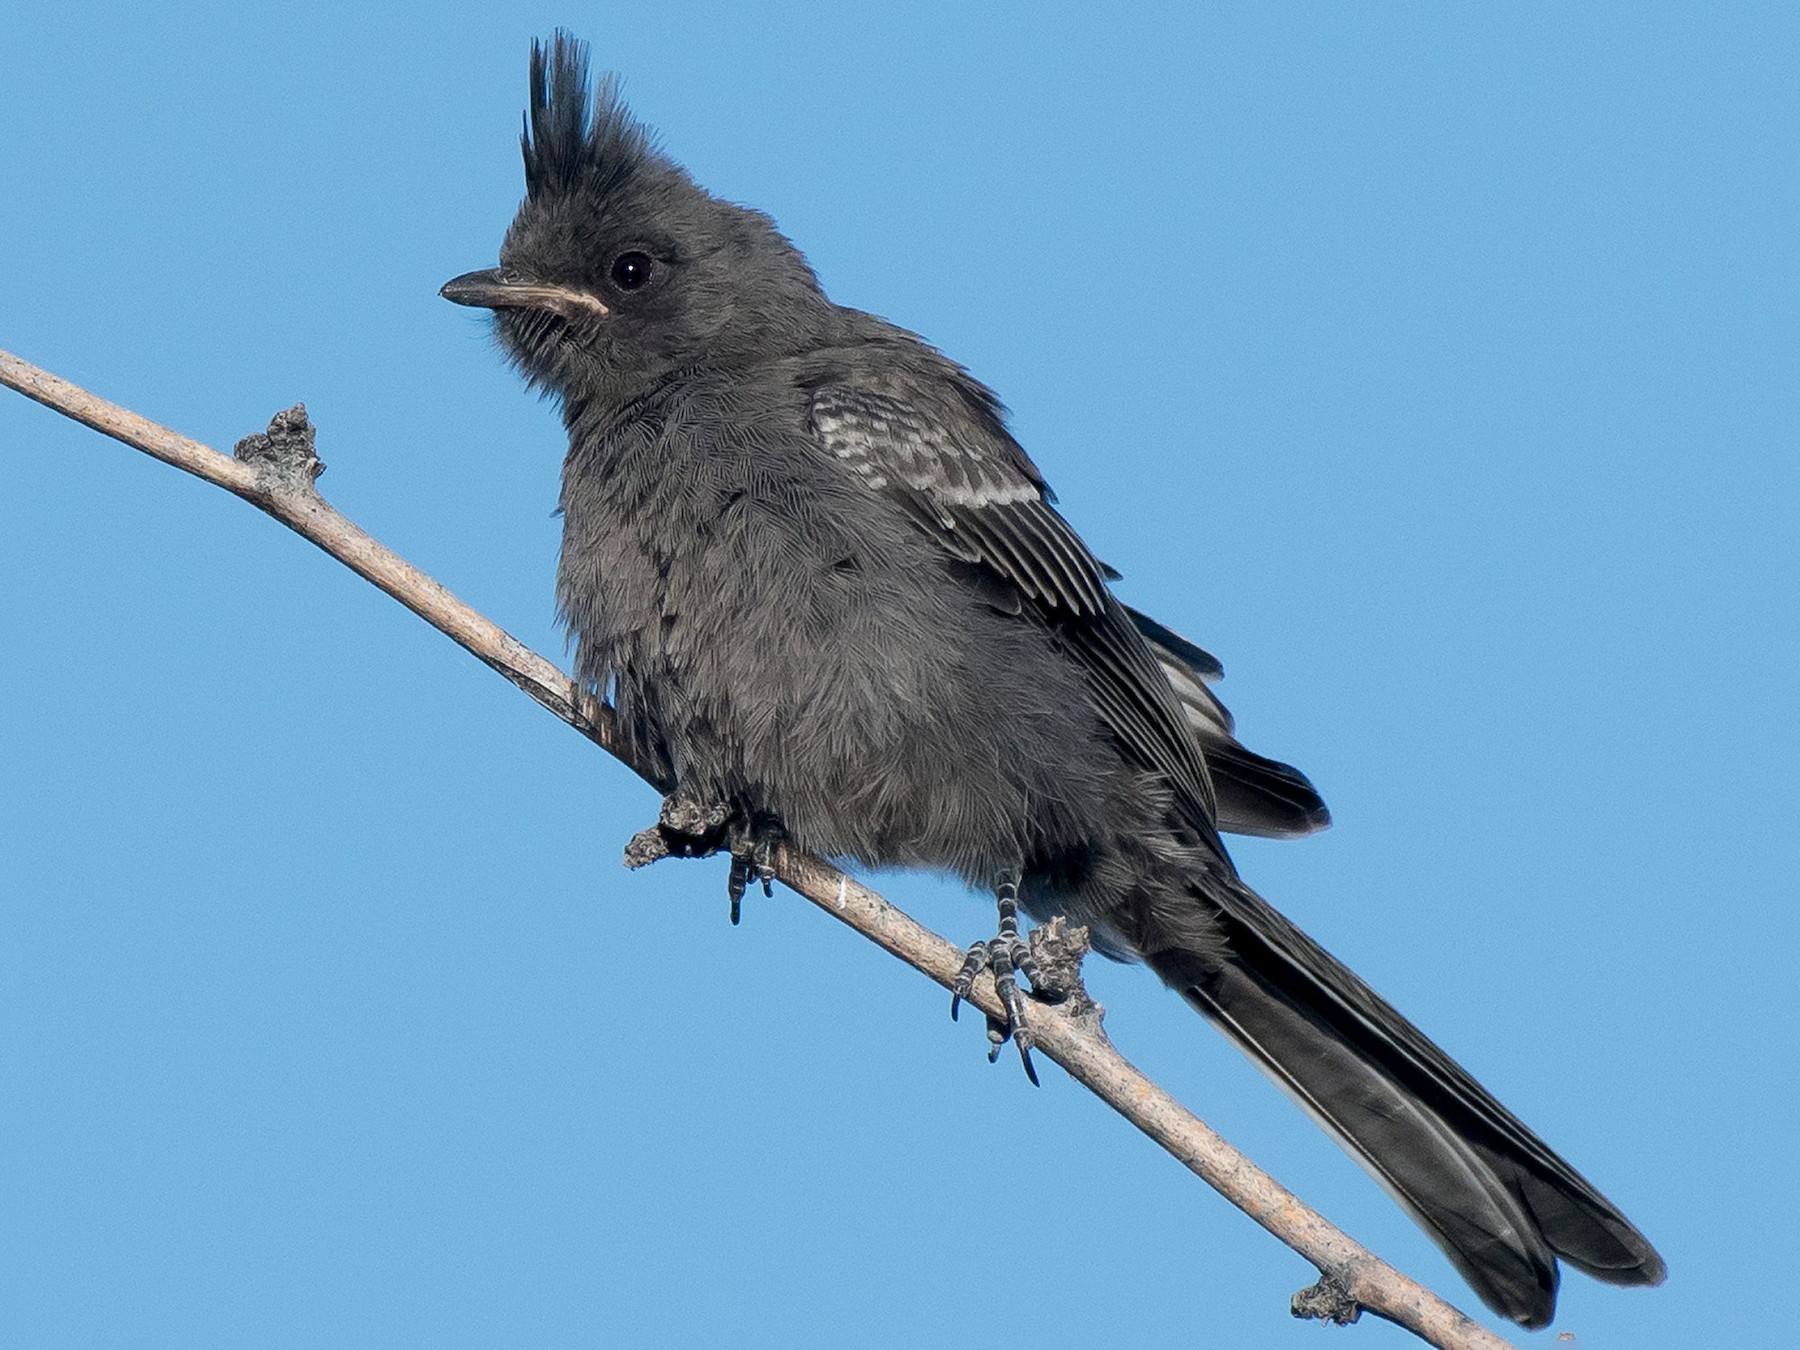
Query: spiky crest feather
[573, 144]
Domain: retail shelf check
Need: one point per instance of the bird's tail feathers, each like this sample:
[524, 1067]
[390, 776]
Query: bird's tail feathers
[1493, 1195]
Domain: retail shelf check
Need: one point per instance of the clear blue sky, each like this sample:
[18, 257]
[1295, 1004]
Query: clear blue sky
[1436, 369]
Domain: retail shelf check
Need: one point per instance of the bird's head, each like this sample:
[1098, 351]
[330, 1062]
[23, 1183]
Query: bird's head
[619, 267]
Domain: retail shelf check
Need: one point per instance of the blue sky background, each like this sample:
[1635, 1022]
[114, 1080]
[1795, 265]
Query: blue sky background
[1435, 367]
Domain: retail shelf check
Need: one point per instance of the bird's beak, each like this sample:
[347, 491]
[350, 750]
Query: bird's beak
[484, 289]
[489, 289]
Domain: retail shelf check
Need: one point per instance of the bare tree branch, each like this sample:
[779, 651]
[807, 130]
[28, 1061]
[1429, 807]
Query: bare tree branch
[275, 472]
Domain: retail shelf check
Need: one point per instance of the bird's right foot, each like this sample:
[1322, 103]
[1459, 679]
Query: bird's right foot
[1007, 955]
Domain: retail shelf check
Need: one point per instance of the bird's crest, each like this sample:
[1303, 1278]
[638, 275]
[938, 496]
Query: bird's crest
[573, 144]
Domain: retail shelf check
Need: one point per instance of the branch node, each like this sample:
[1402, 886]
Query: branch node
[1058, 949]
[1328, 1300]
[686, 829]
[283, 456]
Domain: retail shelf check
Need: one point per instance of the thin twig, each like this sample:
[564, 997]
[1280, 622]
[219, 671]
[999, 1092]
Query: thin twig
[277, 478]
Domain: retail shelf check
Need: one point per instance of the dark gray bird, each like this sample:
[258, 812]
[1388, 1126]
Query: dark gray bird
[830, 599]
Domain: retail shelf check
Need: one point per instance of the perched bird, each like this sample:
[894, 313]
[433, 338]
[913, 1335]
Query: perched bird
[830, 600]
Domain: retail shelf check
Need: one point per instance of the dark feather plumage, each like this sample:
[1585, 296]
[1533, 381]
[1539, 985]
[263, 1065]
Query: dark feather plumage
[1255, 795]
[821, 583]
[571, 145]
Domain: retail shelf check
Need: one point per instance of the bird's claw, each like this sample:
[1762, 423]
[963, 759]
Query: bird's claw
[753, 845]
[1007, 955]
[688, 828]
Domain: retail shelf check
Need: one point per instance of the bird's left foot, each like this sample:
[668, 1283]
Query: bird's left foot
[753, 845]
[1007, 955]
[688, 828]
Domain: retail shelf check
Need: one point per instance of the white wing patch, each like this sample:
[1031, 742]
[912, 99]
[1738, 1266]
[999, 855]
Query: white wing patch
[881, 439]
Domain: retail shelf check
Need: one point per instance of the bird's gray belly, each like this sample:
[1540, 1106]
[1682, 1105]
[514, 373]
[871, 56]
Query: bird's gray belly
[879, 714]
[912, 753]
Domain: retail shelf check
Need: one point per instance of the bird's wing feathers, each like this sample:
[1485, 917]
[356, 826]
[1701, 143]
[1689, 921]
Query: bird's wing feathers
[970, 486]
[986, 505]
[1256, 795]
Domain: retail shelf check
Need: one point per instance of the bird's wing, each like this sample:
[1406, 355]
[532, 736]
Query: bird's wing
[969, 485]
[1256, 795]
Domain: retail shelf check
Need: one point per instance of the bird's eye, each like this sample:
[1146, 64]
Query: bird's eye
[631, 271]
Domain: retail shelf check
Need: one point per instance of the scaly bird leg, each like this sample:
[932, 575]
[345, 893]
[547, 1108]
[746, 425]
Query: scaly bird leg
[753, 844]
[1004, 953]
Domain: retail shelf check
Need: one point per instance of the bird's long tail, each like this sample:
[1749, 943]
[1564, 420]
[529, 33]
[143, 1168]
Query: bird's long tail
[1493, 1195]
